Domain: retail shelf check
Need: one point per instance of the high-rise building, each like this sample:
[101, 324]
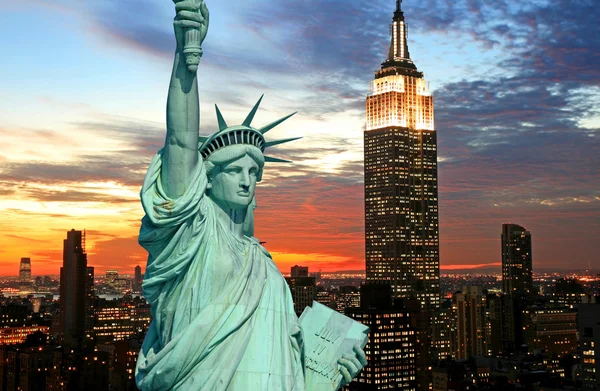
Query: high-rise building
[443, 334]
[299, 271]
[470, 316]
[302, 287]
[75, 289]
[588, 324]
[391, 347]
[517, 284]
[137, 281]
[517, 277]
[25, 270]
[401, 194]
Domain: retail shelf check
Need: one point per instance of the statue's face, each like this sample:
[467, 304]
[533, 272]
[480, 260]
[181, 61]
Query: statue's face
[233, 185]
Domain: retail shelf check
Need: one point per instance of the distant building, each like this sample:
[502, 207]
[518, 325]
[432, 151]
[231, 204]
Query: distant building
[391, 348]
[13, 315]
[140, 318]
[326, 297]
[588, 324]
[444, 331]
[113, 323]
[25, 270]
[347, 297]
[551, 330]
[26, 369]
[465, 375]
[517, 273]
[494, 318]
[470, 316]
[76, 289]
[302, 287]
[138, 279]
[299, 271]
[90, 294]
[122, 285]
[17, 335]
[517, 283]
[568, 292]
[111, 276]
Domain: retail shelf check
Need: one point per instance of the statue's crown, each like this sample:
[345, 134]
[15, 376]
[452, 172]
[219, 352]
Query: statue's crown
[242, 134]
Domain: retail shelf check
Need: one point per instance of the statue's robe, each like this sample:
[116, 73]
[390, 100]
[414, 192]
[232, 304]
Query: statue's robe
[222, 314]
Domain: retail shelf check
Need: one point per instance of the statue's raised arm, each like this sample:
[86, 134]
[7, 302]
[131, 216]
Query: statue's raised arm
[223, 317]
[180, 155]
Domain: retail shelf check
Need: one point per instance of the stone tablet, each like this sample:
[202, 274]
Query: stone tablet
[328, 335]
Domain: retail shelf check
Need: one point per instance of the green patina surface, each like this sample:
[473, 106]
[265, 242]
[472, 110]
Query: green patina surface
[222, 314]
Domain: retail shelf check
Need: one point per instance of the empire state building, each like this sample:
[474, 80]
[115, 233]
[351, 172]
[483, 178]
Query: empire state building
[401, 193]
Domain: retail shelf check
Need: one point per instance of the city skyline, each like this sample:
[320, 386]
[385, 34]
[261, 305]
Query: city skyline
[516, 94]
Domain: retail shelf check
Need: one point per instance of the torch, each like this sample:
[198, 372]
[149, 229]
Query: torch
[191, 48]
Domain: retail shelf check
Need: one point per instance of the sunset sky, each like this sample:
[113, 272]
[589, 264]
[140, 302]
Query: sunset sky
[516, 86]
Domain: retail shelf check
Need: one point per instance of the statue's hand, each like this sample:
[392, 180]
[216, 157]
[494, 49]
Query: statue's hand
[190, 14]
[351, 364]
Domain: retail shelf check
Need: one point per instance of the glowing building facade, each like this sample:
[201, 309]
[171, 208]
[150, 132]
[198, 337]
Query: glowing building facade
[401, 204]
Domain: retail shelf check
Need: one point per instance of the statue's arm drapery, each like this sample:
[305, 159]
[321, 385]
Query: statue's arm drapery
[183, 113]
[167, 223]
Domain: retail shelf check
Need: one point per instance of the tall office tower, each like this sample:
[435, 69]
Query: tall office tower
[74, 288]
[517, 283]
[517, 277]
[25, 270]
[470, 316]
[401, 204]
[138, 279]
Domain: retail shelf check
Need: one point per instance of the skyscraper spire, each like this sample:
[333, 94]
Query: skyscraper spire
[398, 54]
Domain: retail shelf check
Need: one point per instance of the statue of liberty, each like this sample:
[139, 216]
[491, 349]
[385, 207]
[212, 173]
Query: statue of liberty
[222, 314]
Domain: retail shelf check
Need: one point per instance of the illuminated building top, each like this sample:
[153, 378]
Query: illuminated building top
[399, 95]
[399, 54]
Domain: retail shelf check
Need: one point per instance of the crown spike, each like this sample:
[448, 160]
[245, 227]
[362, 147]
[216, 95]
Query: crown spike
[270, 126]
[272, 159]
[222, 123]
[250, 116]
[282, 141]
